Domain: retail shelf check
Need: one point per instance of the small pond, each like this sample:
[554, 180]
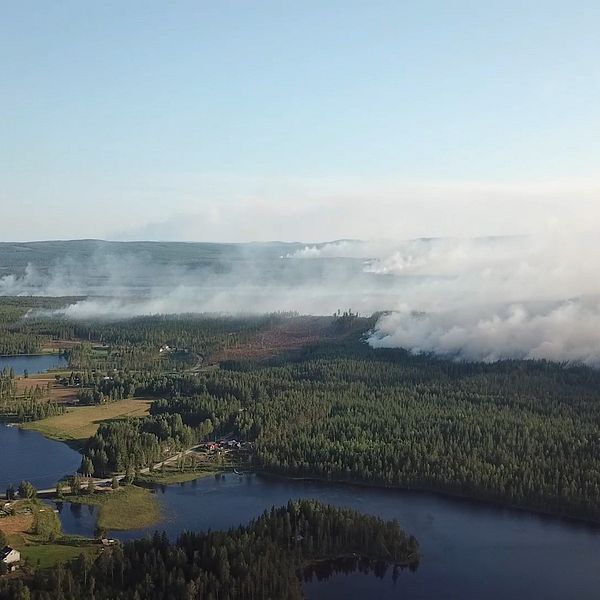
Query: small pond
[33, 363]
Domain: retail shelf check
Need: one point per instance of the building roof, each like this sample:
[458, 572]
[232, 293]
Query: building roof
[5, 552]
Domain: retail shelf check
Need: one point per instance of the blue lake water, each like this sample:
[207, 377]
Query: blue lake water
[470, 550]
[29, 455]
[34, 363]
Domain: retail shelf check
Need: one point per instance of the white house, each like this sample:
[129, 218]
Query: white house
[10, 557]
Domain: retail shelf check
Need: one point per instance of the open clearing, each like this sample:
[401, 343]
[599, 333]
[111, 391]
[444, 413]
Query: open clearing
[129, 507]
[39, 551]
[292, 334]
[81, 423]
[58, 393]
[16, 525]
[47, 555]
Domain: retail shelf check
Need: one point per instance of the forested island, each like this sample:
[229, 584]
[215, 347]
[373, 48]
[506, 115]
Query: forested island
[260, 560]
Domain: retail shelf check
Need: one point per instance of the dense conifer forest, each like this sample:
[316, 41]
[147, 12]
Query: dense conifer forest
[258, 561]
[126, 445]
[523, 433]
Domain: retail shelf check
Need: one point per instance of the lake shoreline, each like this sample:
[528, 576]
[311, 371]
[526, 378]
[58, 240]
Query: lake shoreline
[36, 354]
[458, 541]
[438, 493]
[76, 445]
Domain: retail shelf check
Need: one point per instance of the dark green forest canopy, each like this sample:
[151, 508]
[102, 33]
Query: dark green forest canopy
[526, 436]
[522, 433]
[258, 561]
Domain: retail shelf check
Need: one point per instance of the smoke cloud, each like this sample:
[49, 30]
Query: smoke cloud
[566, 332]
[471, 299]
[488, 298]
[244, 279]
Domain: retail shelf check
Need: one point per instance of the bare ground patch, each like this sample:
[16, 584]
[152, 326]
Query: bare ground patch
[58, 393]
[292, 334]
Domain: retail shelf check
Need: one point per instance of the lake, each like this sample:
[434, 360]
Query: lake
[34, 363]
[26, 454]
[470, 550]
[29, 455]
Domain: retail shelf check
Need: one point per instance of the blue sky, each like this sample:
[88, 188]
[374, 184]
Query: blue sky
[303, 120]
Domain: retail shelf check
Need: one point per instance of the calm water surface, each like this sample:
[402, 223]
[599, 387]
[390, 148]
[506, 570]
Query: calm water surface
[29, 455]
[470, 551]
[34, 363]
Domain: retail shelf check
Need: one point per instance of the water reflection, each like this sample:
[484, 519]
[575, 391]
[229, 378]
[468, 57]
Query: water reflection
[325, 569]
[32, 363]
[469, 550]
[29, 455]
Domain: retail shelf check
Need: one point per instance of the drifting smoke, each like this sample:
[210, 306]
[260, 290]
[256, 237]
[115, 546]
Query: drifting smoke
[488, 298]
[566, 332]
[122, 286]
[473, 299]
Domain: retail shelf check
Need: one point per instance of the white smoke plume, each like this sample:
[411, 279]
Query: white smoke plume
[128, 285]
[567, 332]
[489, 298]
[473, 299]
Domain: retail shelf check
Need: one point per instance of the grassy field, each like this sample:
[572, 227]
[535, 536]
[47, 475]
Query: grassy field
[172, 474]
[80, 423]
[48, 555]
[49, 546]
[129, 507]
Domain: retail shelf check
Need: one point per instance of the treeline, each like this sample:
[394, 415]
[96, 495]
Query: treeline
[131, 444]
[134, 343]
[8, 388]
[97, 388]
[30, 404]
[197, 333]
[20, 411]
[12, 344]
[258, 561]
[16, 337]
[522, 433]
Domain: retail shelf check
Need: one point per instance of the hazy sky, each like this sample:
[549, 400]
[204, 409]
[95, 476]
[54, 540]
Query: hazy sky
[303, 120]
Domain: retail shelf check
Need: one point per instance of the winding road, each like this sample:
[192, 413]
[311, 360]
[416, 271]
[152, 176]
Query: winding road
[98, 482]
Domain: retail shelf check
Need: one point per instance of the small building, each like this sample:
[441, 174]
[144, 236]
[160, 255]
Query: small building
[107, 541]
[10, 557]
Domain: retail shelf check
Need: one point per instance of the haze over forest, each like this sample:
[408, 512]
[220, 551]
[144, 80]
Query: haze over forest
[299, 299]
[454, 149]
[475, 299]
